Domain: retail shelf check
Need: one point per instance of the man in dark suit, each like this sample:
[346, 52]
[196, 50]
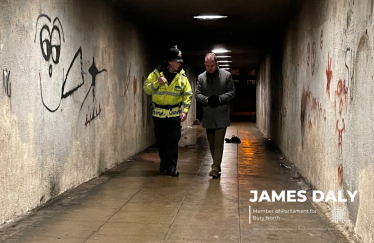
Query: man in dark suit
[215, 89]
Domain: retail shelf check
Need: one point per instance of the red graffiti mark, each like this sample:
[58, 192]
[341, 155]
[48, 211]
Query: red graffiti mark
[340, 107]
[95, 113]
[314, 104]
[328, 74]
[341, 96]
[313, 61]
[324, 114]
[312, 111]
[344, 89]
[135, 85]
[308, 54]
[321, 40]
[341, 101]
[317, 110]
[340, 132]
[340, 174]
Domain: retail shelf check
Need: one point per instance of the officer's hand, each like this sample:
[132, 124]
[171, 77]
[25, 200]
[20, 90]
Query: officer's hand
[162, 80]
[183, 117]
[213, 100]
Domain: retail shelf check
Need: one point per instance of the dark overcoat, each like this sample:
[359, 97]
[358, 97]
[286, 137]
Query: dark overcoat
[222, 85]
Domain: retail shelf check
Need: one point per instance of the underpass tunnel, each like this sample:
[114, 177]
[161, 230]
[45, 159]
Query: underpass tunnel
[73, 111]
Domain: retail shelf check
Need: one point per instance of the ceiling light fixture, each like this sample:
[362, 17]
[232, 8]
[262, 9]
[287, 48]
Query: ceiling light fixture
[226, 68]
[210, 17]
[223, 56]
[225, 61]
[225, 65]
[220, 50]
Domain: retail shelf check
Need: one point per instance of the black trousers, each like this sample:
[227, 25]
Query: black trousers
[168, 134]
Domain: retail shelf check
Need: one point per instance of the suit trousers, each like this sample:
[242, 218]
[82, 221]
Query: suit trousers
[168, 134]
[216, 138]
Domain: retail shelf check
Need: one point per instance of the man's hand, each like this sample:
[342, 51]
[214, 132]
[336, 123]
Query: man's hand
[162, 80]
[183, 117]
[213, 100]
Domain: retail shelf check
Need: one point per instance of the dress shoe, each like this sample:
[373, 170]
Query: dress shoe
[172, 172]
[215, 174]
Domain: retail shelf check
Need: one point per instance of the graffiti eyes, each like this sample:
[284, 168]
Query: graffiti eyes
[50, 43]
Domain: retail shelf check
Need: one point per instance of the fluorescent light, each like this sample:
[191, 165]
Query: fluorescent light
[223, 56]
[210, 17]
[226, 68]
[224, 61]
[224, 65]
[220, 51]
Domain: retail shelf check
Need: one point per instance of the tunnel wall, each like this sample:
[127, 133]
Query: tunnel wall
[71, 99]
[320, 102]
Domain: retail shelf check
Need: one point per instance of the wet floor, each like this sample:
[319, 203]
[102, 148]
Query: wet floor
[134, 202]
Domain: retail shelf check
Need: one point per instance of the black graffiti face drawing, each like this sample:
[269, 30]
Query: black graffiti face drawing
[50, 43]
[51, 74]
[55, 84]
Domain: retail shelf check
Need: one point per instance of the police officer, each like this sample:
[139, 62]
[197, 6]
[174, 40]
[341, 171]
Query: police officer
[171, 96]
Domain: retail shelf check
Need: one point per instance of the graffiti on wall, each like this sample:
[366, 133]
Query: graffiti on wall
[312, 112]
[65, 94]
[51, 35]
[6, 83]
[349, 65]
[340, 106]
[50, 39]
[94, 72]
[340, 174]
[318, 113]
[95, 111]
[328, 74]
[350, 12]
[341, 97]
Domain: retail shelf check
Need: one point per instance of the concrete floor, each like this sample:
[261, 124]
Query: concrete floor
[134, 202]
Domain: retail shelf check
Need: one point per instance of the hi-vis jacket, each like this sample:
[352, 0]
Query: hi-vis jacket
[169, 99]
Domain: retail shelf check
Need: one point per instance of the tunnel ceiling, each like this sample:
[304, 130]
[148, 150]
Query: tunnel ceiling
[252, 26]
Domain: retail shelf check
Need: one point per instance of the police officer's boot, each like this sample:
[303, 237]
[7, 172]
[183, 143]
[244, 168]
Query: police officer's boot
[172, 172]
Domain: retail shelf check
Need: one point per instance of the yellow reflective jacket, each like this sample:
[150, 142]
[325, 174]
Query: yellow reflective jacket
[169, 99]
